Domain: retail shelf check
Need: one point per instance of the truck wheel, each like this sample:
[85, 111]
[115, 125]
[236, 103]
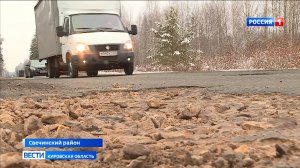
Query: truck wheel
[50, 68]
[128, 69]
[95, 72]
[30, 74]
[91, 71]
[73, 68]
[53, 67]
[25, 73]
[56, 67]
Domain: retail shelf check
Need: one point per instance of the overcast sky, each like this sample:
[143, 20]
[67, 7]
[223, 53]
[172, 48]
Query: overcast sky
[18, 27]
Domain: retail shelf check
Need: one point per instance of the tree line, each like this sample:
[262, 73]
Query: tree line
[217, 34]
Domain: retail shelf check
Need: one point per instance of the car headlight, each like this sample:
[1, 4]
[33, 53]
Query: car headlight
[82, 47]
[128, 45]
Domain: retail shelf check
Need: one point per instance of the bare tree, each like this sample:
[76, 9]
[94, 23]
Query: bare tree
[1, 57]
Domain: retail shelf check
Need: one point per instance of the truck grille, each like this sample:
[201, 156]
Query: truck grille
[107, 47]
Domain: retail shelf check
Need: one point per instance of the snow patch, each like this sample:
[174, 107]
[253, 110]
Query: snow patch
[153, 30]
[199, 51]
[246, 64]
[176, 53]
[166, 35]
[192, 64]
[149, 57]
[185, 41]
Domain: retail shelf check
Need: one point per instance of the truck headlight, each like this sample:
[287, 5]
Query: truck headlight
[82, 47]
[128, 45]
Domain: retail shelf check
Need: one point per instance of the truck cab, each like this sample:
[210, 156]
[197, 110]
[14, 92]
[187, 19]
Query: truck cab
[96, 41]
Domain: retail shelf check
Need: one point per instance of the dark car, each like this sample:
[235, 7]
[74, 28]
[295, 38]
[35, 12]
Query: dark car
[35, 68]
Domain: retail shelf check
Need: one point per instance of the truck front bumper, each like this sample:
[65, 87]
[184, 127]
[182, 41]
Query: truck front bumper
[104, 62]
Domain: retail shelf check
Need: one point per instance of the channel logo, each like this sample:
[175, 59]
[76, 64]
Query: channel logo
[33, 155]
[60, 155]
[265, 21]
[279, 21]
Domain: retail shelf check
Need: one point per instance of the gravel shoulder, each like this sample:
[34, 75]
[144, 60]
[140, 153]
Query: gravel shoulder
[173, 127]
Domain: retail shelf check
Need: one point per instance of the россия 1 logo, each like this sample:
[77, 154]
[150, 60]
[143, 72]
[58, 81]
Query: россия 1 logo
[265, 21]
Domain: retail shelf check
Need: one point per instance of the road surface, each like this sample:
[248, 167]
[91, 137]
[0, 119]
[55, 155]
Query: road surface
[236, 82]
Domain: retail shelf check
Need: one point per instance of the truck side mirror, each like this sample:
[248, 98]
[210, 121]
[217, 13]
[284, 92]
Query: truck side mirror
[60, 31]
[133, 30]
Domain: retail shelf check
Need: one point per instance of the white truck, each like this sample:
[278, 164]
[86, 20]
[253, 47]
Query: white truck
[83, 36]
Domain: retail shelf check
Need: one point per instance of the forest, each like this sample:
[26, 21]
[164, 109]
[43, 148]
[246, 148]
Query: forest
[212, 35]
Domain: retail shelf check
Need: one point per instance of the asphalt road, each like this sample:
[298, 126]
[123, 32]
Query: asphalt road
[234, 82]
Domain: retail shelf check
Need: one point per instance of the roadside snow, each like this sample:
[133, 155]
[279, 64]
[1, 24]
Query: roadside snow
[135, 72]
[234, 70]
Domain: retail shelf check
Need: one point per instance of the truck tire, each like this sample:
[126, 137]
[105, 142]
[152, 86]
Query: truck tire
[30, 74]
[50, 68]
[56, 67]
[73, 68]
[25, 73]
[91, 71]
[53, 67]
[95, 72]
[128, 69]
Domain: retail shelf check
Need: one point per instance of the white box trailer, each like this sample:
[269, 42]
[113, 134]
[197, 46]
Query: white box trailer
[47, 19]
[83, 35]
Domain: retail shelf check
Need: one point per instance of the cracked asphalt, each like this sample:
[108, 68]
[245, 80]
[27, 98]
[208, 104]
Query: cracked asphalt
[285, 82]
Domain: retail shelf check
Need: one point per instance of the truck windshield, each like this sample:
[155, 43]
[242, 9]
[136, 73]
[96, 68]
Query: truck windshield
[96, 22]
